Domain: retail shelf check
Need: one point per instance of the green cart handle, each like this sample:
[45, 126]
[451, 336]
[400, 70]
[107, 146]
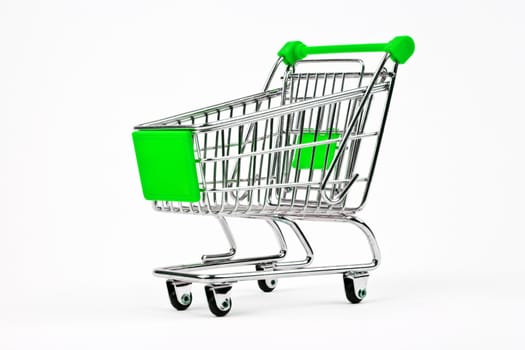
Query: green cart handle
[400, 49]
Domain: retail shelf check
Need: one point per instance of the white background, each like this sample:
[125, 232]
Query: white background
[78, 242]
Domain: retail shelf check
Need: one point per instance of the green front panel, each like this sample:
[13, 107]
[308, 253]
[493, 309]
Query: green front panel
[167, 166]
[320, 154]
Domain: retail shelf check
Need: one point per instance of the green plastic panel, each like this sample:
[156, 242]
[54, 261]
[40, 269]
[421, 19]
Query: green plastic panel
[319, 156]
[167, 166]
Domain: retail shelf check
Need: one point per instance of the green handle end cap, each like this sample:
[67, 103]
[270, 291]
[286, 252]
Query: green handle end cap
[292, 52]
[401, 48]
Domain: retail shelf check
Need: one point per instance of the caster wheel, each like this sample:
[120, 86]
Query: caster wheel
[355, 287]
[180, 294]
[219, 300]
[267, 285]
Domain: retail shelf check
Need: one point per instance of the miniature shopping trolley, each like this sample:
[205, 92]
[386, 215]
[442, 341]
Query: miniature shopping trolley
[303, 151]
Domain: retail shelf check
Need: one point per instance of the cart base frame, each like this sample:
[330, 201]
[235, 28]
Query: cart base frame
[268, 268]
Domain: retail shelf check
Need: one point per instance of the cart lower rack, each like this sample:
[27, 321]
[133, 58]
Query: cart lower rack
[306, 150]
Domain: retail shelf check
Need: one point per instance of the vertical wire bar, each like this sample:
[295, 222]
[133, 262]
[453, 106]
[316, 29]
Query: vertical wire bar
[301, 131]
[262, 201]
[291, 135]
[286, 135]
[204, 192]
[313, 96]
[228, 150]
[330, 128]
[269, 125]
[298, 158]
[205, 150]
[215, 164]
[223, 169]
[280, 131]
[316, 135]
[300, 140]
[252, 166]
[240, 147]
[199, 155]
[310, 174]
[269, 170]
[265, 145]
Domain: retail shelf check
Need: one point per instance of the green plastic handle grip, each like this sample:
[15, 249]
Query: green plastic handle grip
[400, 49]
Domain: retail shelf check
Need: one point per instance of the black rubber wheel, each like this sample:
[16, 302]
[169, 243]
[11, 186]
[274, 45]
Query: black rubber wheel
[172, 293]
[263, 284]
[215, 309]
[353, 296]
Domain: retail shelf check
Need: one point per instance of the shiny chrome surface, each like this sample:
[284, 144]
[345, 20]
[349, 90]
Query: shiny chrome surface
[248, 150]
[226, 259]
[193, 272]
[233, 247]
[304, 242]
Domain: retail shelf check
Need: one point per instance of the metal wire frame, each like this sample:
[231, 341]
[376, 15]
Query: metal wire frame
[274, 268]
[248, 150]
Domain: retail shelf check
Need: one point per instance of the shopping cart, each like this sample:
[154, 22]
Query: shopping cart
[304, 151]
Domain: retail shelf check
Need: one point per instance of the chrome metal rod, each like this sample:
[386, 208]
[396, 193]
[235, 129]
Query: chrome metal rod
[286, 148]
[218, 107]
[272, 73]
[304, 242]
[187, 273]
[287, 109]
[226, 258]
[182, 275]
[233, 248]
